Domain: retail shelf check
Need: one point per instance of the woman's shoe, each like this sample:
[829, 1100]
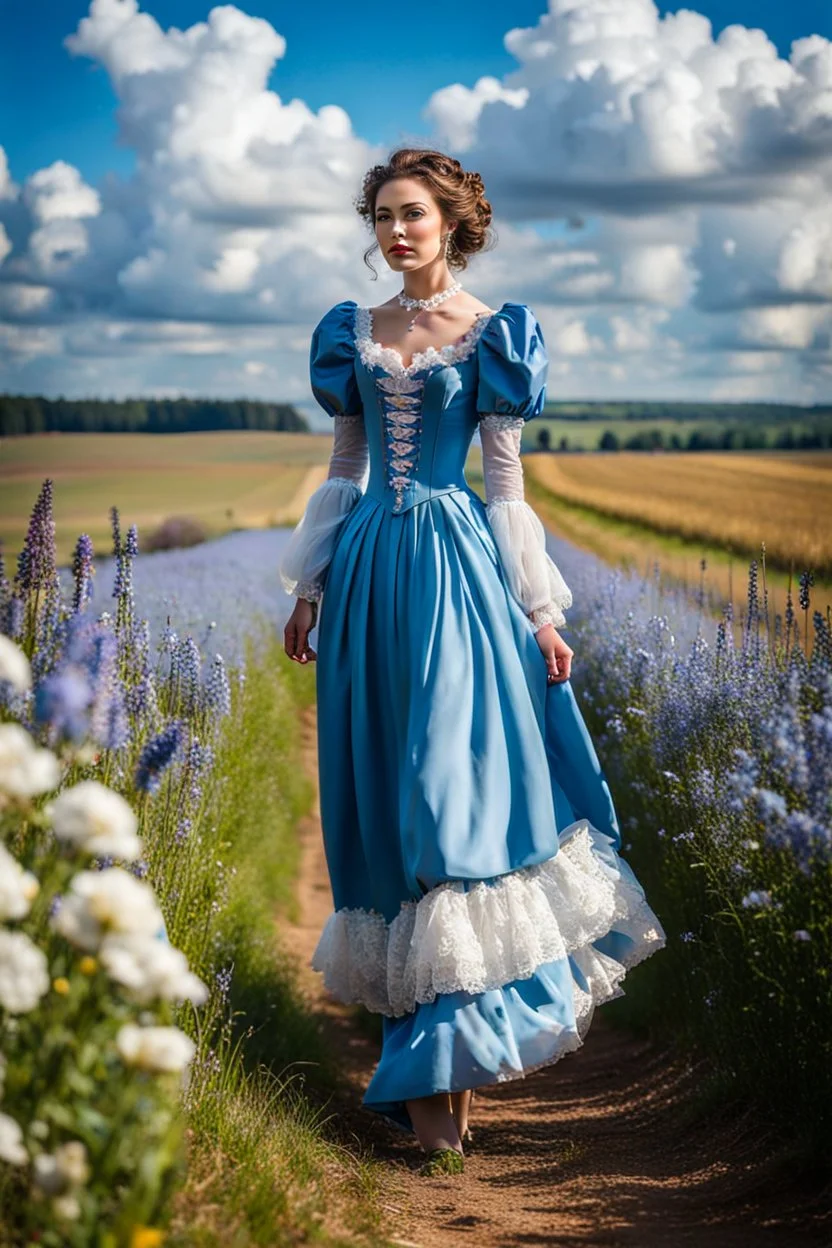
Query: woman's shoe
[443, 1161]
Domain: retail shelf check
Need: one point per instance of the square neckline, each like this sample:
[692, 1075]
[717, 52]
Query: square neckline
[375, 353]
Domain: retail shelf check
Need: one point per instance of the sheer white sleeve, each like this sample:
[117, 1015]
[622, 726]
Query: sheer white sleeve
[309, 549]
[533, 579]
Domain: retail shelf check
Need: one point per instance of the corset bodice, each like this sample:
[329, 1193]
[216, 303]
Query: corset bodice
[419, 420]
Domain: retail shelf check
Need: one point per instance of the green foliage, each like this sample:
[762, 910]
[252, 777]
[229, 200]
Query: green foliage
[28, 414]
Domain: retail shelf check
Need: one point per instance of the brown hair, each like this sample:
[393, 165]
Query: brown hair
[460, 194]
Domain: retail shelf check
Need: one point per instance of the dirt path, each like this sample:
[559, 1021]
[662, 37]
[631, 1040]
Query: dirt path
[593, 1151]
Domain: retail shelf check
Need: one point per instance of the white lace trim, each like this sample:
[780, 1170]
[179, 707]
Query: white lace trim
[452, 939]
[390, 359]
[495, 420]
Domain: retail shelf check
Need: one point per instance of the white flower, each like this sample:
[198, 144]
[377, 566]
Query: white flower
[67, 1207]
[95, 819]
[159, 1049]
[14, 666]
[151, 968]
[107, 901]
[11, 1142]
[25, 769]
[18, 888]
[67, 1167]
[24, 975]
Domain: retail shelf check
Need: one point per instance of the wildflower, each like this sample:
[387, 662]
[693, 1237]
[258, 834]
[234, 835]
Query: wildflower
[95, 819]
[61, 986]
[88, 965]
[151, 969]
[157, 756]
[18, 888]
[217, 688]
[36, 562]
[62, 700]
[801, 934]
[757, 898]
[83, 571]
[11, 1142]
[146, 1237]
[26, 770]
[158, 1049]
[24, 976]
[68, 1167]
[14, 666]
[106, 901]
[67, 1207]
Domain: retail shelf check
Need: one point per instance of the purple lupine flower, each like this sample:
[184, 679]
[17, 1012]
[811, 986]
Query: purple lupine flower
[217, 687]
[183, 830]
[807, 580]
[223, 980]
[117, 728]
[108, 723]
[83, 570]
[200, 759]
[140, 699]
[36, 562]
[188, 663]
[49, 630]
[62, 701]
[157, 756]
[14, 617]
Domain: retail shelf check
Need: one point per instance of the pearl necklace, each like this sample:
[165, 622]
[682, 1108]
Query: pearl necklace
[425, 305]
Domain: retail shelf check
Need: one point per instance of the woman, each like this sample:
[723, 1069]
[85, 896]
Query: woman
[480, 904]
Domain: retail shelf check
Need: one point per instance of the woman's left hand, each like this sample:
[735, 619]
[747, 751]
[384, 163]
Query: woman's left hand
[557, 653]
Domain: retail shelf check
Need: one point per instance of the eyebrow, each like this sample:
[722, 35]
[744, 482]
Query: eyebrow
[413, 204]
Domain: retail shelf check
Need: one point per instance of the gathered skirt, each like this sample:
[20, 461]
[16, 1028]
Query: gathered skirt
[481, 904]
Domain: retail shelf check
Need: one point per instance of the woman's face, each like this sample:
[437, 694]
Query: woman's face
[407, 214]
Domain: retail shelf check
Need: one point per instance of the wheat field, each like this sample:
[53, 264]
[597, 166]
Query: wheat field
[725, 499]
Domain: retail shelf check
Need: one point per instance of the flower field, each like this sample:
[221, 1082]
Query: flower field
[149, 791]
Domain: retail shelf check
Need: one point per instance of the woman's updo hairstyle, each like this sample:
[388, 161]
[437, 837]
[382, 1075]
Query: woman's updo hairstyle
[460, 194]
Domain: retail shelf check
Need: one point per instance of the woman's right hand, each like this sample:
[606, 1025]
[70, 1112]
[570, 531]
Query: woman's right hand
[297, 630]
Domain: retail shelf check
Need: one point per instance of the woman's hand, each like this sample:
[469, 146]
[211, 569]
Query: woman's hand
[557, 654]
[297, 630]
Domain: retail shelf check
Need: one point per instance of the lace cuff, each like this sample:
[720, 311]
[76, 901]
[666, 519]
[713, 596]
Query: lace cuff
[303, 565]
[533, 578]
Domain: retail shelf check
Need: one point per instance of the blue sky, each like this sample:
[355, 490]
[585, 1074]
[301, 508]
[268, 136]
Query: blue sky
[660, 187]
[57, 106]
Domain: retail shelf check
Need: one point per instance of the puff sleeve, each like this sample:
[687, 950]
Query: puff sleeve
[513, 367]
[307, 554]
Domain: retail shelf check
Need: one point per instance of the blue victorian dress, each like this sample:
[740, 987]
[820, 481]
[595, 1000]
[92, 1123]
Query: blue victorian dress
[481, 905]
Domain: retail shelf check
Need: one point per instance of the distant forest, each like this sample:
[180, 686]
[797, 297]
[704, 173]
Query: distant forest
[22, 414]
[758, 413]
[718, 426]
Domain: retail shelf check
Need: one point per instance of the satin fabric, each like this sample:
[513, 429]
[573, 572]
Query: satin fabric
[444, 753]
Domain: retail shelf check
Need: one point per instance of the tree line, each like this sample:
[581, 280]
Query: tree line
[732, 438]
[753, 413]
[28, 414]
